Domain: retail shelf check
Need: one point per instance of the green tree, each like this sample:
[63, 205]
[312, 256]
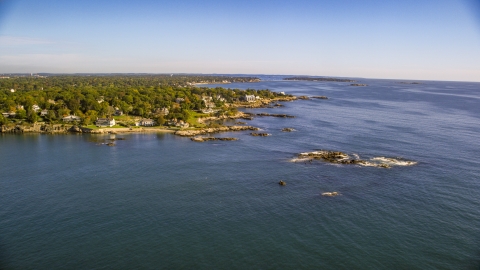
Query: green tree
[21, 114]
[159, 119]
[3, 120]
[32, 117]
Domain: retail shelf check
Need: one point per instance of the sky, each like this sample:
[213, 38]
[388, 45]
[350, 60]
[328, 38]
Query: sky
[391, 39]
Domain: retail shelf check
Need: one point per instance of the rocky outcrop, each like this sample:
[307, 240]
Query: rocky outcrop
[34, 128]
[343, 158]
[205, 139]
[195, 132]
[264, 103]
[275, 115]
[358, 84]
[259, 134]
[288, 129]
[75, 129]
[282, 183]
[320, 97]
[303, 97]
[330, 194]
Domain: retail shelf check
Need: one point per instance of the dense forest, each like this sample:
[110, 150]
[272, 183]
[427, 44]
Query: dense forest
[50, 98]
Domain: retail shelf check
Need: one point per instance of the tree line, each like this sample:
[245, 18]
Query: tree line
[92, 96]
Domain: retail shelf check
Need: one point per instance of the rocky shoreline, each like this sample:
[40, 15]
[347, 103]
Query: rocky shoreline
[66, 129]
[195, 132]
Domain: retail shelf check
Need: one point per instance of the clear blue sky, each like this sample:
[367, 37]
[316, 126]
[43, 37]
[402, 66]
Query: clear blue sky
[398, 39]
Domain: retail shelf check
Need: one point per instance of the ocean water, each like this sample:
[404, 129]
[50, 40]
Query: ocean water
[158, 201]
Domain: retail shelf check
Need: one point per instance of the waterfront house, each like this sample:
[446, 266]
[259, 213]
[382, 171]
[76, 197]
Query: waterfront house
[162, 111]
[220, 98]
[7, 115]
[43, 112]
[147, 122]
[105, 122]
[249, 98]
[118, 112]
[71, 118]
[182, 124]
[35, 108]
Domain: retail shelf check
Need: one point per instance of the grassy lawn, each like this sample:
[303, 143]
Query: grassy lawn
[193, 119]
[124, 118]
[91, 127]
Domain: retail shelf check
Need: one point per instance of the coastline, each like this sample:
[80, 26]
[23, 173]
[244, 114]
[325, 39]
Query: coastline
[44, 128]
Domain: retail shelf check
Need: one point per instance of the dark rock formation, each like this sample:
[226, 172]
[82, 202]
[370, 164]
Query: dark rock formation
[288, 129]
[343, 158]
[282, 183]
[204, 139]
[275, 115]
[260, 134]
[358, 84]
[320, 97]
[194, 132]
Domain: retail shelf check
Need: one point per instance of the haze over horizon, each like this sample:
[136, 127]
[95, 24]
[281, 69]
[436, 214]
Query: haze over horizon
[418, 40]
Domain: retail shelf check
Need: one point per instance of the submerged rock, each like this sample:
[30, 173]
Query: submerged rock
[282, 183]
[288, 129]
[320, 97]
[330, 194]
[260, 134]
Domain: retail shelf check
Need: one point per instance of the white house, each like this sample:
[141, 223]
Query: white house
[71, 118]
[35, 108]
[105, 122]
[147, 122]
[249, 98]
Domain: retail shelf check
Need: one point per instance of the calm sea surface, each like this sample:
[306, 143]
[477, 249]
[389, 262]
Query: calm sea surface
[158, 201]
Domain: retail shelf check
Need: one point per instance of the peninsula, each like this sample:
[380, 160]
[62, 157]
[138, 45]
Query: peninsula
[127, 103]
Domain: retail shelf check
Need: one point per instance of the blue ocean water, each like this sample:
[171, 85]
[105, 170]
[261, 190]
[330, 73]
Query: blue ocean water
[158, 201]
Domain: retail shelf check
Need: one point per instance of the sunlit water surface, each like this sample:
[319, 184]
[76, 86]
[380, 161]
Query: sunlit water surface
[161, 201]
